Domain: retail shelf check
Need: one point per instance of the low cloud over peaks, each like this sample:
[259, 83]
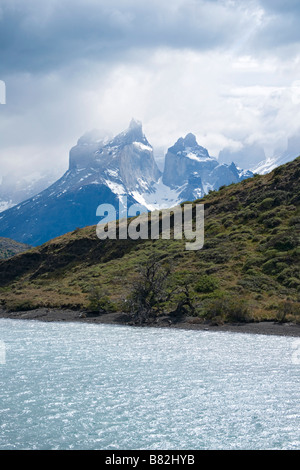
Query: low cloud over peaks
[222, 69]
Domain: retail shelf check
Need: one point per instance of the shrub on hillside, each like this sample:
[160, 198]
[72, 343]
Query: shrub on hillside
[228, 309]
[273, 266]
[252, 261]
[294, 221]
[288, 310]
[206, 284]
[99, 302]
[266, 204]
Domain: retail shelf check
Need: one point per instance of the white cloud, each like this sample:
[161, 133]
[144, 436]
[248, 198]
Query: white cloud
[221, 69]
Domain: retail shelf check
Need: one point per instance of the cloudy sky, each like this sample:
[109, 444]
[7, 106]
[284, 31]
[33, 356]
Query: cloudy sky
[226, 70]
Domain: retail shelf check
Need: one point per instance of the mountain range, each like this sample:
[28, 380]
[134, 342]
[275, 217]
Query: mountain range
[253, 157]
[110, 170]
[248, 269]
[280, 158]
[15, 189]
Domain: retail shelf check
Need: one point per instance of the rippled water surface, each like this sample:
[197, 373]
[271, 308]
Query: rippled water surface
[84, 386]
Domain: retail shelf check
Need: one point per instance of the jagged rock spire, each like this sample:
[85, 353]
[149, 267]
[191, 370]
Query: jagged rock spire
[135, 124]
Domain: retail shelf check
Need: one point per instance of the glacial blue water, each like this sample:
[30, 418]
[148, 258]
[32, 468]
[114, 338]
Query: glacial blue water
[85, 386]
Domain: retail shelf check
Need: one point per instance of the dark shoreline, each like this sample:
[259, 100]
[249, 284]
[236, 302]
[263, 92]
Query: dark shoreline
[60, 315]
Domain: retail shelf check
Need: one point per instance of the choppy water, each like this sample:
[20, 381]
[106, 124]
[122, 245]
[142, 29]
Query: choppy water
[83, 386]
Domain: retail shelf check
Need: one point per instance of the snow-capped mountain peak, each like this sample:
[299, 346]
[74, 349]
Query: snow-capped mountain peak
[279, 158]
[193, 172]
[108, 170]
[189, 148]
[134, 133]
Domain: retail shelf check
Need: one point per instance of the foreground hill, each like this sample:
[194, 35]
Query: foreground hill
[248, 269]
[9, 248]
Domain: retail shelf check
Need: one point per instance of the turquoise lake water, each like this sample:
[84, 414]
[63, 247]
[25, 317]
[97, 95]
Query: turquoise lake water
[85, 386]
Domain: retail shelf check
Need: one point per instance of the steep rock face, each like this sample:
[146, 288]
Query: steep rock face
[190, 169]
[126, 160]
[184, 159]
[99, 172]
[226, 174]
[193, 189]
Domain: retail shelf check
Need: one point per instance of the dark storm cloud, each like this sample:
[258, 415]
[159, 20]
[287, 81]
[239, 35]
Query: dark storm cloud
[280, 27]
[281, 6]
[74, 65]
[43, 35]
[39, 36]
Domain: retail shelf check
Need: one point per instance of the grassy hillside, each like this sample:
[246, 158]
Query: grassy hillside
[9, 248]
[249, 268]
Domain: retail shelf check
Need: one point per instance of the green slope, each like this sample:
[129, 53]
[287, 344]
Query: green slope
[249, 268]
